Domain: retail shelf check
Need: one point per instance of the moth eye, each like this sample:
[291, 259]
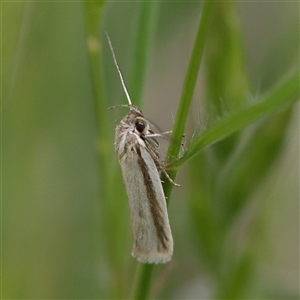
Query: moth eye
[140, 126]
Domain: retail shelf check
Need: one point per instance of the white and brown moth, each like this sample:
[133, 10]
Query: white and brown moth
[136, 147]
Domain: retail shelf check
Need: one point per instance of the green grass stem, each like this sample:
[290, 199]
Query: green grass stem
[93, 13]
[190, 81]
[187, 92]
[142, 283]
[142, 44]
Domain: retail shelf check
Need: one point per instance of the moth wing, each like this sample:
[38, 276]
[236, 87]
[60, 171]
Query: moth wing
[153, 242]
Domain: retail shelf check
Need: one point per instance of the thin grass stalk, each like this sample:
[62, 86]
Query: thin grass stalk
[142, 282]
[145, 26]
[93, 13]
[187, 92]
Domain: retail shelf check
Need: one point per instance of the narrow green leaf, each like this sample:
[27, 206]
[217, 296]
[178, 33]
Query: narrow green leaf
[226, 77]
[243, 175]
[283, 95]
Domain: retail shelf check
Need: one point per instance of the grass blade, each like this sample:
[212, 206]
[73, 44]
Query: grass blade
[142, 283]
[283, 95]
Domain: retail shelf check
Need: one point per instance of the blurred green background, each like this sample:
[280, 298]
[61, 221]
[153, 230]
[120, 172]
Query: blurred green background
[235, 221]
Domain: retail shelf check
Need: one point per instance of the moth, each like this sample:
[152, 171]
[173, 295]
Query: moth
[136, 148]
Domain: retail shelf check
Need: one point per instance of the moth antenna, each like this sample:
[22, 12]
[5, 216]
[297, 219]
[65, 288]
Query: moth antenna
[118, 68]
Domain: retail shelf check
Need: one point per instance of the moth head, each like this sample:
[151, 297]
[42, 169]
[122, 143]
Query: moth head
[141, 125]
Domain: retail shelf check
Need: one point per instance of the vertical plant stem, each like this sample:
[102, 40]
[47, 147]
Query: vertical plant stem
[92, 14]
[190, 81]
[142, 283]
[143, 39]
[187, 91]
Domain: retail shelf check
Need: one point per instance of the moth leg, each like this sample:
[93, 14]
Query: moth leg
[169, 178]
[160, 167]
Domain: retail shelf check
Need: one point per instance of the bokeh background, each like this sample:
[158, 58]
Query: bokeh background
[235, 221]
